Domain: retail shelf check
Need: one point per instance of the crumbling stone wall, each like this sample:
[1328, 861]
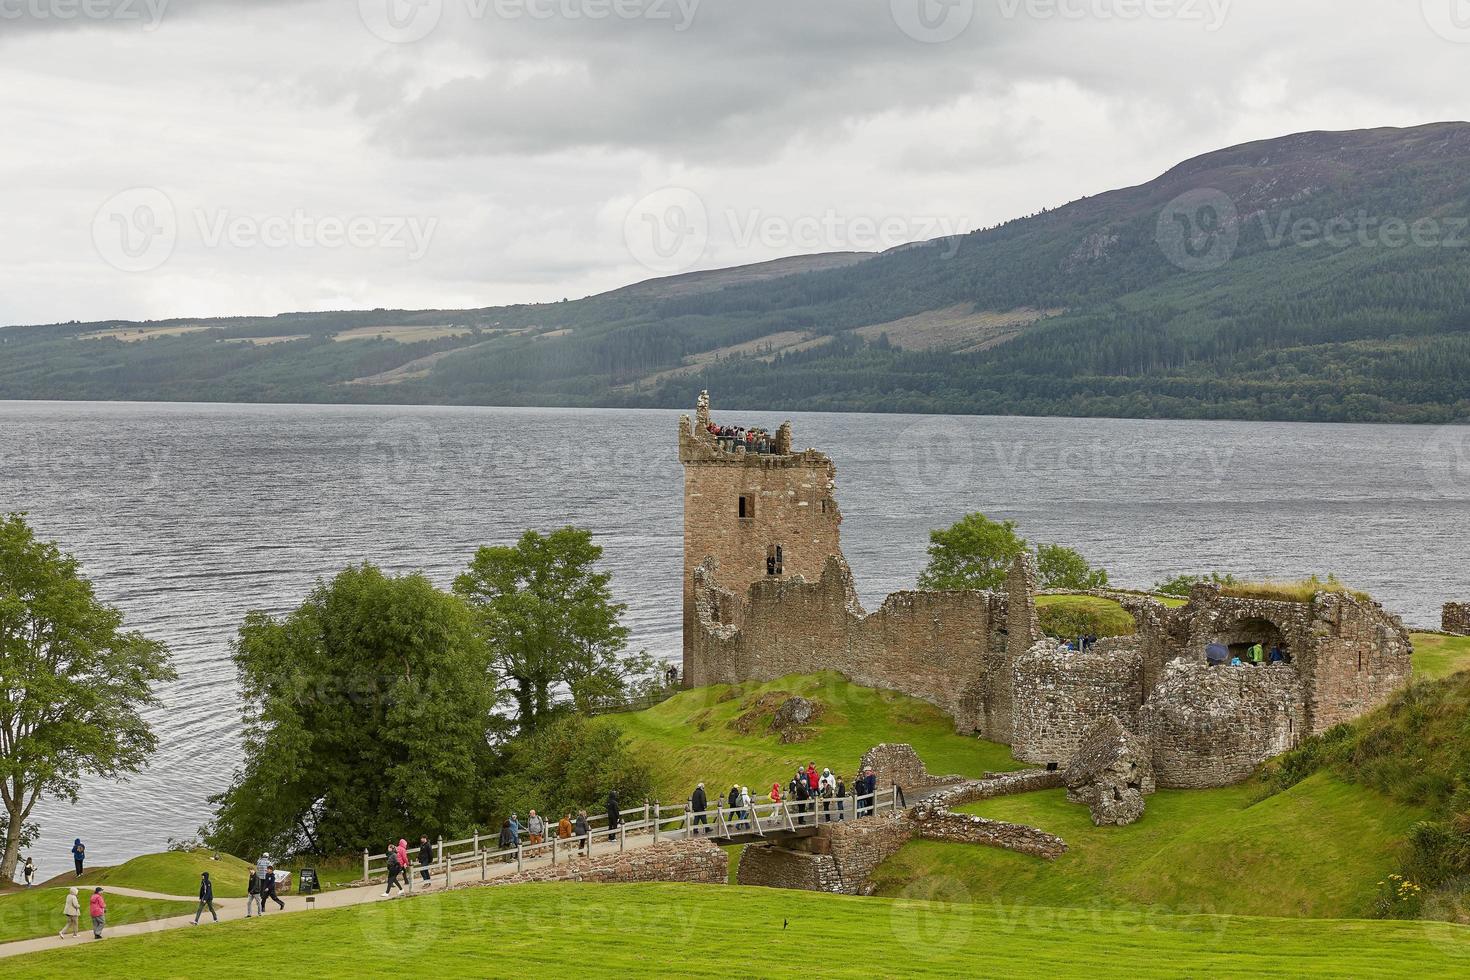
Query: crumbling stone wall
[922, 644]
[998, 784]
[1455, 618]
[896, 763]
[696, 861]
[1059, 693]
[1210, 726]
[1111, 774]
[840, 858]
[931, 823]
[789, 502]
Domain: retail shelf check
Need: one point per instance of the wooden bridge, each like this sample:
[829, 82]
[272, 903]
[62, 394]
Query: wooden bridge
[479, 857]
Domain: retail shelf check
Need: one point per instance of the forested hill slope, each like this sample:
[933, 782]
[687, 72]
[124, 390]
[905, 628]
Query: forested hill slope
[1320, 276]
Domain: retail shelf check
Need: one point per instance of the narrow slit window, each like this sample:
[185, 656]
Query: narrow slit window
[747, 506]
[773, 560]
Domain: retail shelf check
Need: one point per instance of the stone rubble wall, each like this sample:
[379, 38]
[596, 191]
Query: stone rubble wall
[840, 858]
[896, 763]
[922, 644]
[941, 825]
[1059, 693]
[696, 861]
[1455, 618]
[998, 784]
[1211, 726]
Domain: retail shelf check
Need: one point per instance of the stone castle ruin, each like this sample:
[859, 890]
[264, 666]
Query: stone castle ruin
[768, 593]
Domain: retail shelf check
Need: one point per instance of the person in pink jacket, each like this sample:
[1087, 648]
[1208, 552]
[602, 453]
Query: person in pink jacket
[403, 856]
[98, 909]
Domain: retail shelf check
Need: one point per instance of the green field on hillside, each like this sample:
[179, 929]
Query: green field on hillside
[172, 873]
[1318, 849]
[1439, 655]
[691, 738]
[34, 912]
[693, 930]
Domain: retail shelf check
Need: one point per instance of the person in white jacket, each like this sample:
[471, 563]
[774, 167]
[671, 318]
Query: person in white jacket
[745, 806]
[73, 913]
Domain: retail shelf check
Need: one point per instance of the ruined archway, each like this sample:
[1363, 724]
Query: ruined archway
[1240, 634]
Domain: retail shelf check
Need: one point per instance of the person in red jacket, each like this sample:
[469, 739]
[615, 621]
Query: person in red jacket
[812, 779]
[98, 908]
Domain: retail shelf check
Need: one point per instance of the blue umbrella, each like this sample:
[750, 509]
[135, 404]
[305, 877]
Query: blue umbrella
[1217, 653]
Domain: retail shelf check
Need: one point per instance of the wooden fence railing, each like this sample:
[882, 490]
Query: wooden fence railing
[651, 820]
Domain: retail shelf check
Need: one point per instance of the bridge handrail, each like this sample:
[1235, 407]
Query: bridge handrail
[674, 822]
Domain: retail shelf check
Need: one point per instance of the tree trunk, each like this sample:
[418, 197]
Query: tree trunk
[15, 825]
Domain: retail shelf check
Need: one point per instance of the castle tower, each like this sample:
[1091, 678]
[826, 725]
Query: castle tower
[759, 515]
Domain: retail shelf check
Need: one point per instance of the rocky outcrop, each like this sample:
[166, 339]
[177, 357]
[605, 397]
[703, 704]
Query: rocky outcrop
[1111, 773]
[1455, 618]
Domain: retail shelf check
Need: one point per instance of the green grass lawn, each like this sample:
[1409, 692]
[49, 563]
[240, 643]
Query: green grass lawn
[689, 738]
[171, 873]
[1070, 615]
[32, 912]
[1318, 849]
[712, 930]
[1439, 655]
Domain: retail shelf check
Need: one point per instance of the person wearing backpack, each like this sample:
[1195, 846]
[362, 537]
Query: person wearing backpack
[394, 869]
[206, 898]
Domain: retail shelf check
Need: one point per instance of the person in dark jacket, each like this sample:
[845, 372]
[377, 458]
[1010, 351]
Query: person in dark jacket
[394, 870]
[582, 829]
[78, 854]
[426, 857]
[841, 796]
[252, 897]
[733, 802]
[507, 839]
[613, 817]
[206, 898]
[698, 803]
[270, 888]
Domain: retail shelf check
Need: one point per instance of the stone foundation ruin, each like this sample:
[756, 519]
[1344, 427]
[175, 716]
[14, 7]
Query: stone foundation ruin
[767, 593]
[1455, 618]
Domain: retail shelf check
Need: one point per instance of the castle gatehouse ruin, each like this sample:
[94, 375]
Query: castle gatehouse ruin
[767, 593]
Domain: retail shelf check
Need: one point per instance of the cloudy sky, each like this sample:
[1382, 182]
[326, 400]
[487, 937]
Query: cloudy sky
[208, 157]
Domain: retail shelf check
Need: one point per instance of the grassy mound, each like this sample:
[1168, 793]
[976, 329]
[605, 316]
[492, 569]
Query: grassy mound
[721, 735]
[1438, 655]
[664, 930]
[1317, 850]
[35, 912]
[1301, 590]
[1083, 615]
[171, 873]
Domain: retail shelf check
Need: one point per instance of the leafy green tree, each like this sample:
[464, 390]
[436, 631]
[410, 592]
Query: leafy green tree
[973, 553]
[73, 684]
[369, 713]
[1181, 584]
[569, 762]
[1060, 567]
[548, 618]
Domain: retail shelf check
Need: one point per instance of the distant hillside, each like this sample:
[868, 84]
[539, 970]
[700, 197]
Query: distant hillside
[1321, 276]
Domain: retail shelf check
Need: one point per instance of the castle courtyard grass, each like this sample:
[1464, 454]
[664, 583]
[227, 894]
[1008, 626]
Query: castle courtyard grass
[580, 930]
[1317, 849]
[1439, 655]
[695, 736]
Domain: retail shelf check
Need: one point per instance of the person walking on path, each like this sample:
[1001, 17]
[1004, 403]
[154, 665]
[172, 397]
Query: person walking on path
[426, 857]
[613, 816]
[515, 831]
[98, 909]
[583, 830]
[270, 887]
[73, 912]
[403, 862]
[252, 897]
[564, 827]
[206, 898]
[697, 804]
[732, 800]
[535, 827]
[30, 872]
[394, 869]
[78, 854]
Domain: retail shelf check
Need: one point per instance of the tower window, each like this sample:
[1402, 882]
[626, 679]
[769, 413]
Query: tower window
[747, 506]
[773, 560]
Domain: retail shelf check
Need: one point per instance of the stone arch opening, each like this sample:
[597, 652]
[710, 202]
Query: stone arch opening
[1240, 635]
